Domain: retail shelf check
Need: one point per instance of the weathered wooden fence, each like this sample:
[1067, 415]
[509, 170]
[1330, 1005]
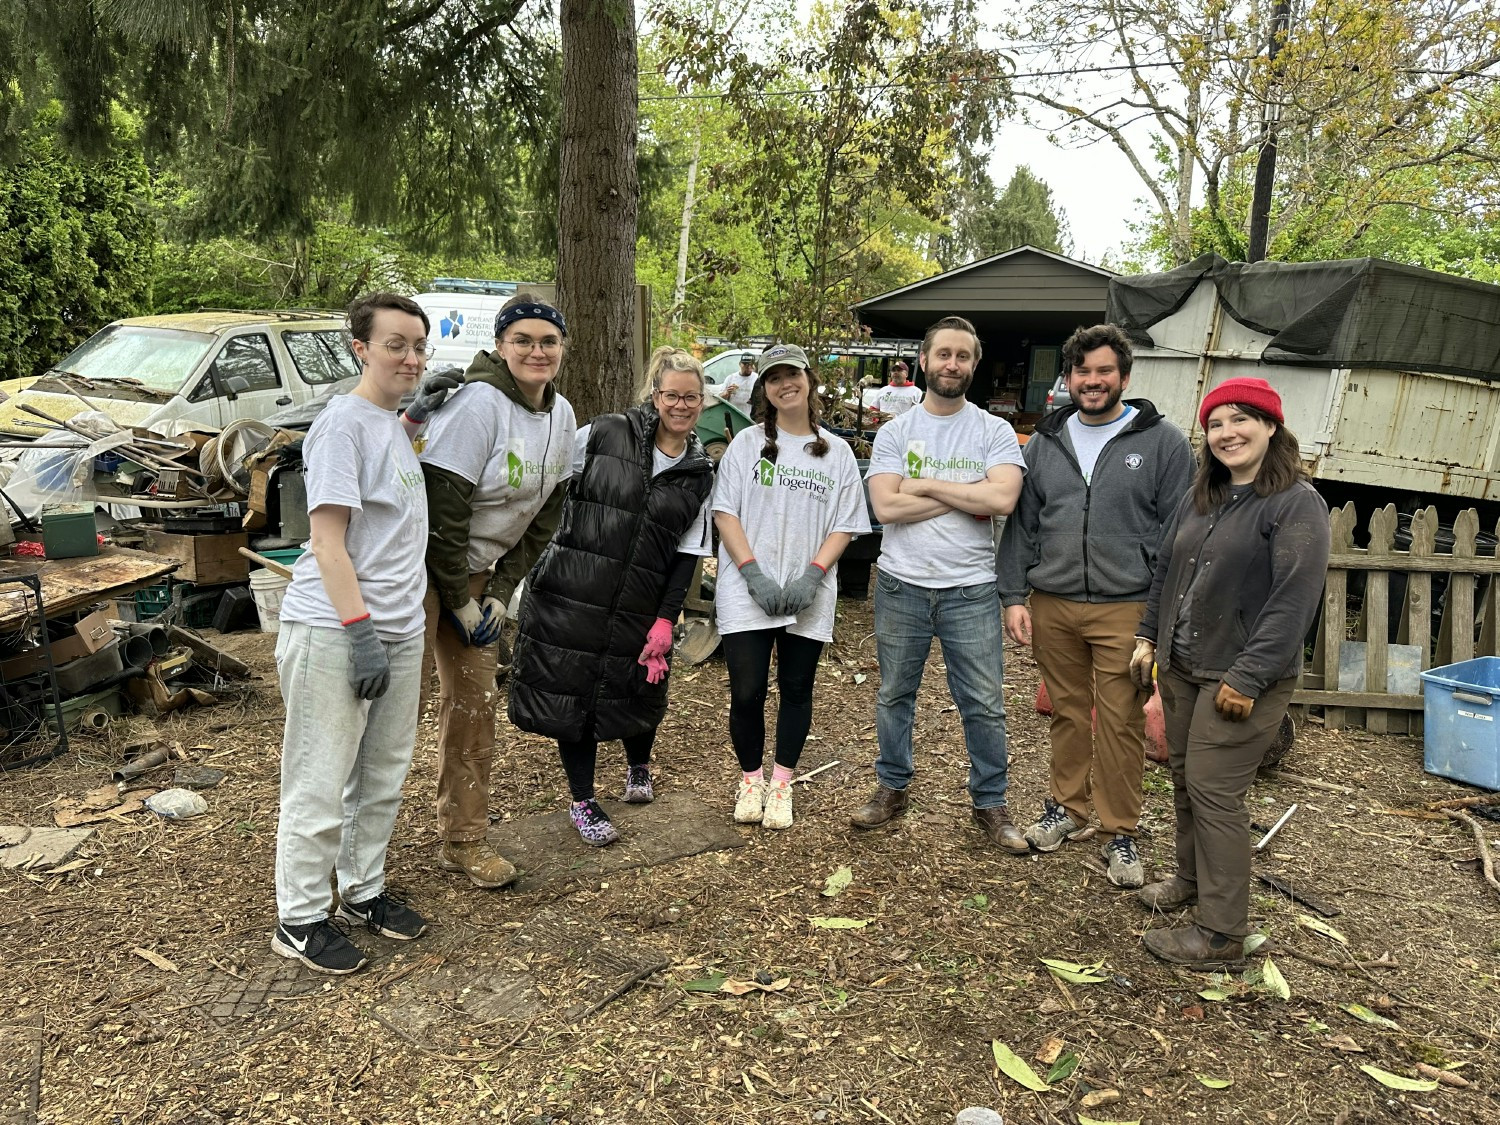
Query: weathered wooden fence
[1376, 708]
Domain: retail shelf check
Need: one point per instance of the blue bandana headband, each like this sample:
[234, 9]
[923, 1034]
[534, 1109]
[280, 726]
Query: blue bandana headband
[529, 312]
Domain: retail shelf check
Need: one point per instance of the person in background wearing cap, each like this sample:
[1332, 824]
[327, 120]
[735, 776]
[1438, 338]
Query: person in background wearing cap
[738, 387]
[1238, 582]
[937, 476]
[896, 397]
[1103, 479]
[496, 466]
[788, 500]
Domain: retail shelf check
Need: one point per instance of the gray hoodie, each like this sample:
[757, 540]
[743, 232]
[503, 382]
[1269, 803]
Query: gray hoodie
[1094, 542]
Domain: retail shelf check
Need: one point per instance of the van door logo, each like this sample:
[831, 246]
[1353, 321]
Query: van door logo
[451, 325]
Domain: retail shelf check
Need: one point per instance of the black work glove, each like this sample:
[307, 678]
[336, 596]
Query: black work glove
[369, 670]
[433, 392]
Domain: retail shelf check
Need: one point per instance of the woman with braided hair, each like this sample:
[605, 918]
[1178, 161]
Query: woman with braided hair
[787, 502]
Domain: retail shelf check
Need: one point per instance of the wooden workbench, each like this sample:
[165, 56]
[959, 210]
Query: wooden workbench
[71, 584]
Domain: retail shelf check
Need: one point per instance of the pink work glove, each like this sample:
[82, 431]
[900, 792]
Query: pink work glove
[658, 640]
[656, 668]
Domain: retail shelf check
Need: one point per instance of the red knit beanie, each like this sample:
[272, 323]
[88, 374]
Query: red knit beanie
[1242, 392]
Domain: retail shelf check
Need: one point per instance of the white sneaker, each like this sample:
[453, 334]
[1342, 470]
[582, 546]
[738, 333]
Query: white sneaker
[750, 802]
[778, 813]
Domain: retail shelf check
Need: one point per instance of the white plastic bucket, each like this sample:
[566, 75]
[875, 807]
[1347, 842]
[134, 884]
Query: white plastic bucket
[267, 588]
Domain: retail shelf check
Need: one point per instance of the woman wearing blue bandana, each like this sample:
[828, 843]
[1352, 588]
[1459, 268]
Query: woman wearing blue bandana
[496, 466]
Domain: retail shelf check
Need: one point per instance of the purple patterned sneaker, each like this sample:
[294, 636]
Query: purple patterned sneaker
[638, 789]
[593, 823]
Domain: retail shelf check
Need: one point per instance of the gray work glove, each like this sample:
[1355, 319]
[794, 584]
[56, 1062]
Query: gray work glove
[800, 591]
[433, 392]
[369, 670]
[765, 591]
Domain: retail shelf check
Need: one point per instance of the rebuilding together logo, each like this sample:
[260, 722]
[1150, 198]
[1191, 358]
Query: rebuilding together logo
[771, 475]
[960, 469]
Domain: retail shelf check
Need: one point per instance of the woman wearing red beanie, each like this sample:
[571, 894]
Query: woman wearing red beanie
[1238, 583]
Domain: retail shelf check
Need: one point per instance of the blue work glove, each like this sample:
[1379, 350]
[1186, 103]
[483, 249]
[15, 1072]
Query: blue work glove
[467, 621]
[493, 610]
[800, 591]
[765, 591]
[433, 392]
[369, 670]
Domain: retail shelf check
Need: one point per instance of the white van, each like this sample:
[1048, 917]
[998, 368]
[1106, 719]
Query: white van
[463, 311]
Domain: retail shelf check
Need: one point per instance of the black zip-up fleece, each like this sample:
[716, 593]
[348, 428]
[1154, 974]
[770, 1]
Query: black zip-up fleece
[1260, 564]
[1094, 542]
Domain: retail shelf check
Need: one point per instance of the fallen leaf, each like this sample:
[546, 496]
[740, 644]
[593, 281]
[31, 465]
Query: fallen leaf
[1318, 926]
[1443, 1075]
[1163, 1041]
[156, 959]
[1253, 942]
[1014, 1067]
[1399, 1081]
[711, 983]
[1215, 1083]
[1049, 1051]
[743, 987]
[1273, 982]
[1343, 1043]
[1107, 1096]
[1360, 1012]
[1214, 994]
[1193, 1012]
[838, 923]
[1075, 973]
[860, 677]
[836, 882]
[1062, 1068]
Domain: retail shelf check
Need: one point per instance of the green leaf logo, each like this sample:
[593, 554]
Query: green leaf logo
[514, 470]
[765, 472]
[913, 463]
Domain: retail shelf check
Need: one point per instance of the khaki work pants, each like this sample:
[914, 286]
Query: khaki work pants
[1213, 765]
[466, 723]
[1083, 650]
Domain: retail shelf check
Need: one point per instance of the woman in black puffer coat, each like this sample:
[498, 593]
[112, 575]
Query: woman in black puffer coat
[591, 657]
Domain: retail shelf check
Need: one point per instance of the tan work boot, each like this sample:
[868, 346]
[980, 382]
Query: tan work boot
[484, 866]
[1195, 947]
[1168, 894]
[996, 825]
[883, 805]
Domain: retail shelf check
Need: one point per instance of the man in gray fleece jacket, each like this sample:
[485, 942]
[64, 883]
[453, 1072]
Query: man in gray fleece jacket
[1102, 480]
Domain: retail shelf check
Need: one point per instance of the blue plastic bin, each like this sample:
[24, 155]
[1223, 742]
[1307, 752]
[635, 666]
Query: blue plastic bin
[1461, 721]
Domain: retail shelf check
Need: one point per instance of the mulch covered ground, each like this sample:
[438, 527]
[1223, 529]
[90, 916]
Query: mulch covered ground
[894, 1019]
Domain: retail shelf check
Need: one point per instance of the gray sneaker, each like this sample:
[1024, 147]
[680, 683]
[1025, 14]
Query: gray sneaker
[1124, 862]
[1048, 834]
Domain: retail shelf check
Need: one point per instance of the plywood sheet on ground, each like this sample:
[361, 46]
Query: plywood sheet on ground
[548, 850]
[70, 584]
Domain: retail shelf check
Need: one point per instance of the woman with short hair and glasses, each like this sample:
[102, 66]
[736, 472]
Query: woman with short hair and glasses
[592, 656]
[349, 652]
[496, 465]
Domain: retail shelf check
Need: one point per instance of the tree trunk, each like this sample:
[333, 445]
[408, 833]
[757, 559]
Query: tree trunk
[679, 291]
[598, 197]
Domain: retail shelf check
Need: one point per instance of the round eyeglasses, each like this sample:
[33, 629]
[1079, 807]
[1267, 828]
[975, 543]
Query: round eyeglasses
[672, 398]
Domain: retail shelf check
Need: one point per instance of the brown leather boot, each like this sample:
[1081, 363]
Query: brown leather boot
[995, 823]
[1169, 894]
[1195, 947]
[882, 807]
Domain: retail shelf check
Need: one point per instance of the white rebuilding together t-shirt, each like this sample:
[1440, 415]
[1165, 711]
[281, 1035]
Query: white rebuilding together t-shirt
[512, 456]
[787, 510]
[954, 549]
[358, 457]
[893, 400]
[697, 539]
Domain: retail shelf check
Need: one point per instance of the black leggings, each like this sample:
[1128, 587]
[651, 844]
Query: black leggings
[578, 760]
[749, 658]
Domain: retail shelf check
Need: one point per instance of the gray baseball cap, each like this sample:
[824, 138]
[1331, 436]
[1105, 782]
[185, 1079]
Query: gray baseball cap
[778, 354]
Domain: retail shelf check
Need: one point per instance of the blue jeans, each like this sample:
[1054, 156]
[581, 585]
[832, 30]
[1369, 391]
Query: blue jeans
[967, 621]
[343, 761]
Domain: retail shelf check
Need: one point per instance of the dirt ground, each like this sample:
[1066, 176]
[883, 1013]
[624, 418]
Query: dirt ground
[890, 1022]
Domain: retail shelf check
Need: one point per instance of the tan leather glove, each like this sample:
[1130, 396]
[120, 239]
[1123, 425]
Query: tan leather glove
[1142, 664]
[1231, 704]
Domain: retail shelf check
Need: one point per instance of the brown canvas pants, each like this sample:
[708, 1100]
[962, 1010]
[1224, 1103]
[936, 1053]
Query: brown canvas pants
[1083, 650]
[1213, 765]
[466, 723]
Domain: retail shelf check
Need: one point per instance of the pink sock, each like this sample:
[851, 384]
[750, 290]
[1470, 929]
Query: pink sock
[757, 776]
[782, 773]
